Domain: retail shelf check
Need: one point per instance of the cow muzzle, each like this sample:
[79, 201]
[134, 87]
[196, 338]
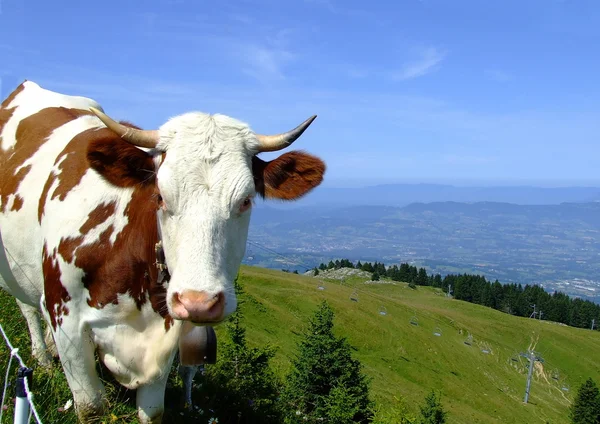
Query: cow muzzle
[198, 306]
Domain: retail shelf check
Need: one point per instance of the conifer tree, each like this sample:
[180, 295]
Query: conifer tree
[422, 279]
[586, 407]
[242, 387]
[326, 384]
[432, 411]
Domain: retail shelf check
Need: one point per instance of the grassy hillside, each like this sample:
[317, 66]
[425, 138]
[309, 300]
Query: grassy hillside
[409, 360]
[402, 359]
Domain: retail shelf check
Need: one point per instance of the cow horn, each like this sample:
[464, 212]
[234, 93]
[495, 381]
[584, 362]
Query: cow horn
[271, 143]
[140, 138]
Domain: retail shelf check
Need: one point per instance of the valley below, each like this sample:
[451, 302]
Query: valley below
[556, 246]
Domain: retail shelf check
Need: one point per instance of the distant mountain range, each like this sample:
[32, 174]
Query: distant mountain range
[404, 194]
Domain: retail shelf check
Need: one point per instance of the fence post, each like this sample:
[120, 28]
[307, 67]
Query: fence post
[22, 404]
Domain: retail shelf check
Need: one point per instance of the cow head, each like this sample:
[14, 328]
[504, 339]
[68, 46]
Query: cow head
[208, 175]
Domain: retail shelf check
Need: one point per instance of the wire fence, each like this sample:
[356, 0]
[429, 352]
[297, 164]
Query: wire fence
[24, 406]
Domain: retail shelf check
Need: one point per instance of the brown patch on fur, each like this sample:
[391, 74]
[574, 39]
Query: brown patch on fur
[44, 195]
[96, 217]
[17, 204]
[5, 115]
[73, 167]
[168, 321]
[127, 267]
[288, 177]
[5, 112]
[13, 95]
[120, 163]
[67, 246]
[32, 132]
[56, 295]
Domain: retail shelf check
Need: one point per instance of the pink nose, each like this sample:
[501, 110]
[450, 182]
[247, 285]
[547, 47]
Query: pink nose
[198, 306]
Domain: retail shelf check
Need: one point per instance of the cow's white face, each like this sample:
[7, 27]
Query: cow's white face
[207, 190]
[208, 174]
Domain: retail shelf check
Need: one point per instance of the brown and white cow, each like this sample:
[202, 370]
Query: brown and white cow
[84, 201]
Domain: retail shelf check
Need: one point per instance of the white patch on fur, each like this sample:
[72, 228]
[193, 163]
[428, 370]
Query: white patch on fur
[133, 344]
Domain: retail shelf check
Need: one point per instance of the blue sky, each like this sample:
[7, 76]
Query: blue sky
[407, 90]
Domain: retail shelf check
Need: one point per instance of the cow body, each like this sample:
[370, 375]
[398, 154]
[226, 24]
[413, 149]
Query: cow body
[80, 213]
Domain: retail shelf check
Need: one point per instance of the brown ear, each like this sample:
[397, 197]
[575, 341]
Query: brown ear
[119, 162]
[288, 177]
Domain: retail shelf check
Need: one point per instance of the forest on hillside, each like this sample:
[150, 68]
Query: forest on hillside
[514, 299]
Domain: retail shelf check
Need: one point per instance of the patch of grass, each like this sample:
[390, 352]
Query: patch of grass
[403, 360]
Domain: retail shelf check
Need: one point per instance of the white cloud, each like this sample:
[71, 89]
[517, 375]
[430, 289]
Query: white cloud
[429, 60]
[262, 62]
[241, 43]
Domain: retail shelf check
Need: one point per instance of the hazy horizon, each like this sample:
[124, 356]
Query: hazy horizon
[489, 183]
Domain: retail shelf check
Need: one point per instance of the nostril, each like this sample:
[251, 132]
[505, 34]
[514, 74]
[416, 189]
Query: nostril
[178, 306]
[218, 305]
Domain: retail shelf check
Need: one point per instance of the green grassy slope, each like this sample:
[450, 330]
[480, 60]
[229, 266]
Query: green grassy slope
[401, 358]
[409, 360]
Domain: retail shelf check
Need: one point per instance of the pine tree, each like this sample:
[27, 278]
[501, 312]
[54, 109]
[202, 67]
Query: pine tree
[413, 274]
[586, 407]
[375, 276]
[326, 384]
[242, 387]
[432, 411]
[422, 278]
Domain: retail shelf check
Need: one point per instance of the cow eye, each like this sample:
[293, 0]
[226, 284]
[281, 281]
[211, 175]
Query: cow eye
[246, 204]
